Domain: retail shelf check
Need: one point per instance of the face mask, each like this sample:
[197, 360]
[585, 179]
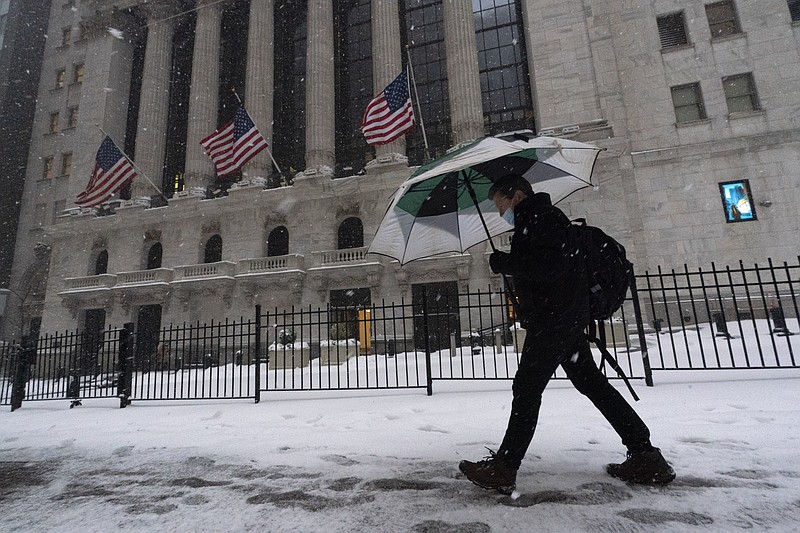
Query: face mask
[508, 216]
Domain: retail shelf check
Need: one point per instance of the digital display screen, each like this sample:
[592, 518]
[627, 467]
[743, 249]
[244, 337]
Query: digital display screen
[737, 201]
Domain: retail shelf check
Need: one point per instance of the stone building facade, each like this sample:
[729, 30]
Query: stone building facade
[684, 96]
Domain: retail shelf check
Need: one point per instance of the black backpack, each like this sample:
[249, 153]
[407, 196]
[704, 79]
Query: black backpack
[608, 271]
[608, 277]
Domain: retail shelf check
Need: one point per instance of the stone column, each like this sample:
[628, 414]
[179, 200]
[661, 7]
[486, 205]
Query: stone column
[463, 77]
[204, 92]
[387, 61]
[320, 95]
[151, 132]
[260, 80]
[104, 93]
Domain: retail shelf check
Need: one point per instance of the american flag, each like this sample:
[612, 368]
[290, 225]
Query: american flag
[233, 145]
[390, 114]
[112, 171]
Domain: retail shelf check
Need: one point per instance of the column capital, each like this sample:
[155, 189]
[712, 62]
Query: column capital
[160, 11]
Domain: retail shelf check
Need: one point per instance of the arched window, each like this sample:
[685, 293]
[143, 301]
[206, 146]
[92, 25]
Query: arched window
[101, 263]
[351, 233]
[154, 256]
[278, 242]
[213, 249]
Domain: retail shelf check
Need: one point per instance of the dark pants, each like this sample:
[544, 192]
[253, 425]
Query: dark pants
[541, 355]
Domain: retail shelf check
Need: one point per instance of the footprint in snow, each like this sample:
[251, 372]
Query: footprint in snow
[432, 429]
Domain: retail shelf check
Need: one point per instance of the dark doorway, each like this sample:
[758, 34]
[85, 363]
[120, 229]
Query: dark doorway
[94, 323]
[101, 263]
[154, 255]
[148, 325]
[442, 311]
[213, 251]
[351, 234]
[345, 304]
[278, 242]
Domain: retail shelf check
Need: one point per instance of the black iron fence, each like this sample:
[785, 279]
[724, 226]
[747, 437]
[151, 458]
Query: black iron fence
[728, 318]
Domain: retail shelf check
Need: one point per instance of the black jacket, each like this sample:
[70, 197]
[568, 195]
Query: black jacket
[548, 277]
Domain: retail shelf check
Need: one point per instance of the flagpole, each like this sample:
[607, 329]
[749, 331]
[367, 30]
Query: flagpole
[416, 96]
[266, 147]
[137, 169]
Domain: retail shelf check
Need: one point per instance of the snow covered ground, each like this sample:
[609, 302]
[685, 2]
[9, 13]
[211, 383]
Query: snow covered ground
[387, 461]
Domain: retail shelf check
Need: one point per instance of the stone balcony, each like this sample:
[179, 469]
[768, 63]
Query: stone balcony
[262, 274]
[345, 268]
[144, 286]
[88, 291]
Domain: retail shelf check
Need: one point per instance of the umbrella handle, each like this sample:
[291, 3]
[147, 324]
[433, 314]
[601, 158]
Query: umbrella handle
[480, 214]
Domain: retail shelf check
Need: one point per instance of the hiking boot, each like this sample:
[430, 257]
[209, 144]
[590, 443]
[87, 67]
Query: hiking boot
[646, 468]
[491, 473]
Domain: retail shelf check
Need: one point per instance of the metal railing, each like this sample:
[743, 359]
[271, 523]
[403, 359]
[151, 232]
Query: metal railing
[722, 318]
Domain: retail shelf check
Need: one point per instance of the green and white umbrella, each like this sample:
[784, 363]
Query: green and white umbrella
[434, 211]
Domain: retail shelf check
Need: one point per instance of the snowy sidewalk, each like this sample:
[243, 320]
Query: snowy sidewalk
[388, 462]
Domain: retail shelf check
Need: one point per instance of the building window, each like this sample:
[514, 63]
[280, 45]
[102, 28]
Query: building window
[737, 201]
[213, 250]
[740, 93]
[78, 73]
[794, 10]
[66, 36]
[3, 19]
[672, 30]
[47, 167]
[61, 78]
[505, 84]
[58, 208]
[154, 255]
[688, 103]
[422, 30]
[351, 234]
[72, 117]
[353, 83]
[101, 263]
[278, 242]
[289, 133]
[82, 31]
[53, 127]
[722, 19]
[66, 164]
[40, 218]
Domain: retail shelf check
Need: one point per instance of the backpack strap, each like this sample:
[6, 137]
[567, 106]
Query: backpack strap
[597, 335]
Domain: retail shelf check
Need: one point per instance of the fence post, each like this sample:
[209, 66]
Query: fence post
[125, 363]
[26, 351]
[426, 332]
[258, 354]
[637, 311]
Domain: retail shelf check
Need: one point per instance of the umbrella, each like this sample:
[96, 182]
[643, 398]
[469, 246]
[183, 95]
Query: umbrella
[441, 207]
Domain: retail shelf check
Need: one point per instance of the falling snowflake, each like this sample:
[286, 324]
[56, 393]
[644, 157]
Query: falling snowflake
[117, 34]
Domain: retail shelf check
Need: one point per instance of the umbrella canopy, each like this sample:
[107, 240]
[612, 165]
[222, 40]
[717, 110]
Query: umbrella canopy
[433, 211]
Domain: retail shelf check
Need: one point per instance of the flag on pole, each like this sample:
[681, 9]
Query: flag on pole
[390, 114]
[233, 145]
[112, 171]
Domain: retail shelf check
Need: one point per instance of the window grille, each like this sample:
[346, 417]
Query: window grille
[794, 10]
[740, 93]
[722, 20]
[672, 30]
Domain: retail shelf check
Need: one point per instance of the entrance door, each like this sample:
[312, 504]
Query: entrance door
[443, 314]
[148, 325]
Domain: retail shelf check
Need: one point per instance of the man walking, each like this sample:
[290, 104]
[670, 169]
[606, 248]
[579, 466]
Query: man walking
[550, 285]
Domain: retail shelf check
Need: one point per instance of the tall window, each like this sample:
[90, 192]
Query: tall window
[740, 93]
[794, 10]
[213, 249]
[422, 30]
[47, 167]
[351, 233]
[289, 133]
[101, 263]
[66, 163]
[61, 78]
[78, 73]
[66, 36]
[505, 85]
[154, 255]
[722, 19]
[278, 242]
[688, 103]
[353, 83]
[672, 30]
[72, 117]
[53, 126]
